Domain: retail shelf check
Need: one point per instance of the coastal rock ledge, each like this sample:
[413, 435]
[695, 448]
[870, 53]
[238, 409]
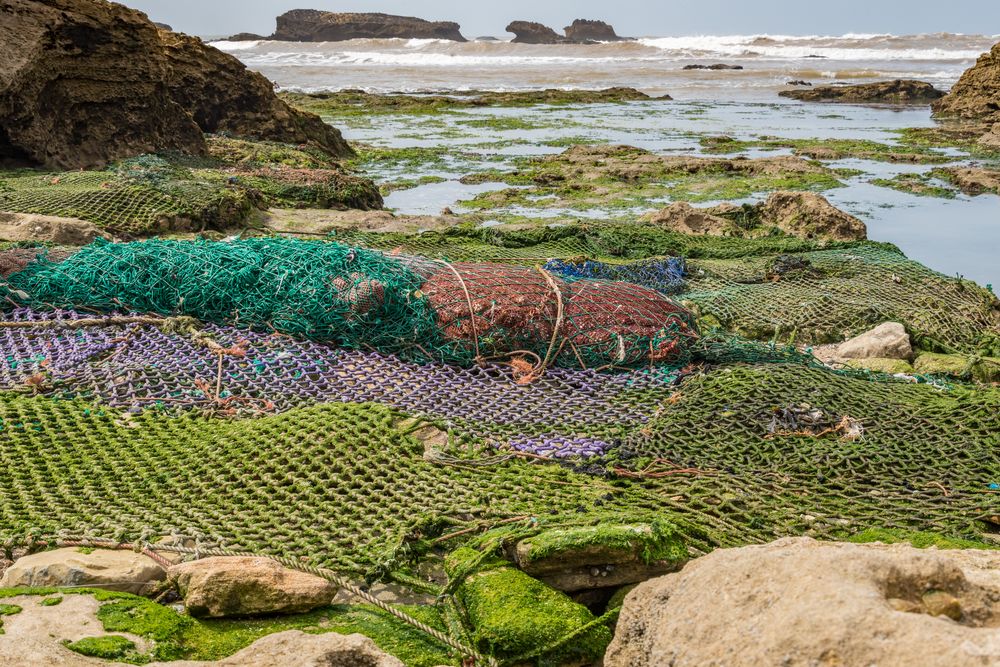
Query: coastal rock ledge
[311, 25]
[900, 91]
[977, 94]
[584, 30]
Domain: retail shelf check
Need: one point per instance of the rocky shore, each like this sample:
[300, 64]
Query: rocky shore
[582, 31]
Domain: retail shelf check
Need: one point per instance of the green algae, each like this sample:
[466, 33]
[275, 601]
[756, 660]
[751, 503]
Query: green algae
[51, 602]
[919, 539]
[112, 647]
[980, 368]
[655, 542]
[887, 366]
[829, 149]
[518, 618]
[8, 610]
[933, 184]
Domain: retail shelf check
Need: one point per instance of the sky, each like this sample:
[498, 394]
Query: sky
[638, 18]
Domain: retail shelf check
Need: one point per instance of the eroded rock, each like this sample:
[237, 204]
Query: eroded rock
[119, 570]
[47, 228]
[802, 602]
[886, 341]
[686, 219]
[810, 216]
[247, 586]
[900, 91]
[974, 180]
[529, 32]
[311, 25]
[991, 140]
[977, 93]
[583, 30]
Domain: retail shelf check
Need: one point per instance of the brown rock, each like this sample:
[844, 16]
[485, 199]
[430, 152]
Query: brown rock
[247, 37]
[247, 586]
[977, 93]
[886, 341]
[310, 25]
[810, 216]
[124, 571]
[900, 91]
[61, 231]
[686, 219]
[294, 648]
[800, 602]
[991, 140]
[83, 83]
[583, 30]
[717, 66]
[974, 180]
[529, 32]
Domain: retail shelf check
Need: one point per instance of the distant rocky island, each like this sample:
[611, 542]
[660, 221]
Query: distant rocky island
[311, 25]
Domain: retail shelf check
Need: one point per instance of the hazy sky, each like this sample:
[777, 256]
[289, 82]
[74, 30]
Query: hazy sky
[630, 17]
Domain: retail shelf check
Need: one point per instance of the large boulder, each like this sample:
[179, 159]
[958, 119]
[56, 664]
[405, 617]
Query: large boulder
[223, 96]
[977, 93]
[886, 341]
[900, 91]
[686, 219]
[529, 32]
[800, 602]
[294, 647]
[247, 586]
[83, 83]
[124, 571]
[991, 140]
[810, 216]
[583, 30]
[311, 25]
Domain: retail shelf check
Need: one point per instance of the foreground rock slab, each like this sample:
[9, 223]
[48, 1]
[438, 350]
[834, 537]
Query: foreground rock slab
[247, 586]
[123, 571]
[298, 649]
[799, 602]
[900, 91]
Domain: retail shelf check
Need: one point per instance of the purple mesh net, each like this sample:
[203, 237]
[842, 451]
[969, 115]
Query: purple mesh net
[135, 366]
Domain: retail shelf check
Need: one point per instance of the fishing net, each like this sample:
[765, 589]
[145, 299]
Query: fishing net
[772, 288]
[663, 275]
[359, 299]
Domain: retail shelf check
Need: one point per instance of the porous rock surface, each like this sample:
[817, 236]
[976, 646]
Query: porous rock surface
[53, 229]
[975, 180]
[110, 570]
[246, 586]
[810, 216]
[900, 91]
[977, 93]
[886, 341]
[86, 82]
[529, 32]
[686, 219]
[311, 25]
[798, 602]
[584, 30]
[991, 140]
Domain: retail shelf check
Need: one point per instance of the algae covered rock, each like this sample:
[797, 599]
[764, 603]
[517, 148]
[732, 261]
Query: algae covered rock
[686, 219]
[515, 616]
[900, 91]
[983, 369]
[882, 365]
[246, 586]
[125, 571]
[977, 94]
[607, 555]
[810, 216]
[310, 25]
[802, 602]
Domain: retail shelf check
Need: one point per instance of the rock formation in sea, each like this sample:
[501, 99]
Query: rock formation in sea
[976, 96]
[529, 32]
[311, 25]
[900, 91]
[717, 66]
[584, 30]
[84, 83]
[246, 37]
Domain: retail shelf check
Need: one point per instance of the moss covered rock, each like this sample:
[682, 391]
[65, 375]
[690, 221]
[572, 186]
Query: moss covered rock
[879, 365]
[516, 616]
[981, 369]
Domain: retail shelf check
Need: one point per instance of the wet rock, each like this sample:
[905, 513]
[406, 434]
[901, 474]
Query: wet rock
[686, 219]
[583, 30]
[799, 82]
[977, 93]
[529, 32]
[223, 96]
[311, 25]
[900, 91]
[246, 586]
[52, 229]
[124, 571]
[294, 647]
[974, 180]
[810, 216]
[802, 602]
[83, 83]
[246, 37]
[886, 341]
[717, 66]
[576, 559]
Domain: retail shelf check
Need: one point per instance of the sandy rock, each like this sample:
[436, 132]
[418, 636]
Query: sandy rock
[295, 648]
[310, 25]
[900, 91]
[61, 231]
[529, 32]
[686, 219]
[798, 602]
[810, 216]
[977, 93]
[247, 586]
[975, 180]
[583, 30]
[886, 341]
[124, 571]
[991, 140]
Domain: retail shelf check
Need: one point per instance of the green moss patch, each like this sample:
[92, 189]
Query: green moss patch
[51, 602]
[607, 543]
[921, 185]
[829, 149]
[112, 647]
[919, 539]
[888, 366]
[982, 369]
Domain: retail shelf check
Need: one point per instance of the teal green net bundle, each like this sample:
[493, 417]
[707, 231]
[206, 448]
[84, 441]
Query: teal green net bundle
[419, 309]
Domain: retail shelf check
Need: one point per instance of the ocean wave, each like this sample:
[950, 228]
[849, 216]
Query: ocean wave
[847, 47]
